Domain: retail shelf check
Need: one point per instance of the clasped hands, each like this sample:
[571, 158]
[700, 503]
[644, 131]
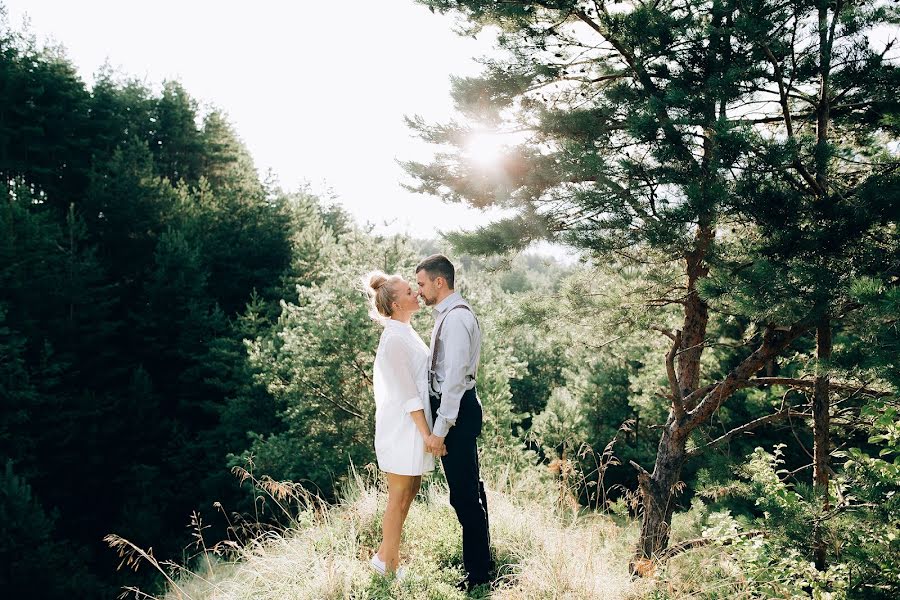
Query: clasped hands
[435, 445]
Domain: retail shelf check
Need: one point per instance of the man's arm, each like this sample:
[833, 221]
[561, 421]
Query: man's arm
[456, 343]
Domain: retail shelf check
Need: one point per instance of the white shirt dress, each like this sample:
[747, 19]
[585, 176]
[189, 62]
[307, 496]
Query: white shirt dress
[401, 387]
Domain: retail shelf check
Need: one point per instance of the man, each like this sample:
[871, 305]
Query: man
[453, 363]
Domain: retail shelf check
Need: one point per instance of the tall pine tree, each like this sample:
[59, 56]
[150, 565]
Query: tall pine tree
[747, 144]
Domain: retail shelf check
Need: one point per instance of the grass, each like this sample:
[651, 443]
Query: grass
[542, 551]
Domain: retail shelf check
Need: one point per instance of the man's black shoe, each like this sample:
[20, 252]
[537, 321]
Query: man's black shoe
[468, 585]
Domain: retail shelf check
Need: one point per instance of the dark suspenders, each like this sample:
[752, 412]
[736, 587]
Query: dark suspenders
[437, 339]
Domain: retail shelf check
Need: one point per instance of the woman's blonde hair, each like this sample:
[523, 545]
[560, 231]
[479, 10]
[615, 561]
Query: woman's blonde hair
[381, 291]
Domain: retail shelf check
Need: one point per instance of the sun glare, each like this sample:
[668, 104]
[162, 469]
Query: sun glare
[485, 148]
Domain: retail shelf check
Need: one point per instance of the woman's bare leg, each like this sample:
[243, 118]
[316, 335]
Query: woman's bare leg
[402, 490]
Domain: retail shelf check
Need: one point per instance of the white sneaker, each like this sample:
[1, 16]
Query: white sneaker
[380, 567]
[377, 564]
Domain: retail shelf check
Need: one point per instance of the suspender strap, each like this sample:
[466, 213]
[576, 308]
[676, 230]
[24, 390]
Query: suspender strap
[437, 339]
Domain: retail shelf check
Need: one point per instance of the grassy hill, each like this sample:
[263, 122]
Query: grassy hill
[545, 550]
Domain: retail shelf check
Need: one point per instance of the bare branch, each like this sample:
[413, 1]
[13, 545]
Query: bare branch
[602, 344]
[774, 341]
[666, 332]
[666, 302]
[841, 387]
[318, 391]
[801, 383]
[677, 400]
[782, 94]
[680, 547]
[643, 476]
[772, 418]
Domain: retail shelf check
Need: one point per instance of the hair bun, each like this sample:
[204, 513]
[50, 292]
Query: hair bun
[376, 280]
[378, 288]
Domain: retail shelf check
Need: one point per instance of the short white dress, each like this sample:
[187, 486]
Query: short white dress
[401, 387]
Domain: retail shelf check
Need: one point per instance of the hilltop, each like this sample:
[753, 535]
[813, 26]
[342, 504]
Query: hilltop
[543, 551]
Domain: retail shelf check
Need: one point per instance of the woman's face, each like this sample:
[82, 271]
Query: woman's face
[406, 299]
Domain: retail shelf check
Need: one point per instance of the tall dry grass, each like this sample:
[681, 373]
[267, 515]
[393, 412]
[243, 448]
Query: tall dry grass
[545, 549]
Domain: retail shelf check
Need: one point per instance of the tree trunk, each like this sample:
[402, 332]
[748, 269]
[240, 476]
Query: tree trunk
[658, 488]
[821, 418]
[696, 316]
[693, 333]
[658, 491]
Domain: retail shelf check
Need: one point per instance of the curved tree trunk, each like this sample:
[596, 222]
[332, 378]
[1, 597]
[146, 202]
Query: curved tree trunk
[658, 490]
[659, 487]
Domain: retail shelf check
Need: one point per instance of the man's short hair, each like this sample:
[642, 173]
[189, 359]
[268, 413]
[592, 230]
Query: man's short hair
[438, 265]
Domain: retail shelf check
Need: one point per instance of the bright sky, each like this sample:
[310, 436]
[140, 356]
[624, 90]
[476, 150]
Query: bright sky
[316, 90]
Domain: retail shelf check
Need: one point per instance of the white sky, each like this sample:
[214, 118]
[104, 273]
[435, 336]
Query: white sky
[316, 90]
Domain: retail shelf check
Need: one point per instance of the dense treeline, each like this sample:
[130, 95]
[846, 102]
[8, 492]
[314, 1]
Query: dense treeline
[138, 250]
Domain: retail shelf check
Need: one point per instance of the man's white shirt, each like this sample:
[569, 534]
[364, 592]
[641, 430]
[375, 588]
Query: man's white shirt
[458, 354]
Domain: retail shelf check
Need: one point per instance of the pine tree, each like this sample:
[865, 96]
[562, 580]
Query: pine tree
[18, 393]
[121, 109]
[225, 159]
[30, 555]
[745, 143]
[44, 134]
[177, 142]
[316, 364]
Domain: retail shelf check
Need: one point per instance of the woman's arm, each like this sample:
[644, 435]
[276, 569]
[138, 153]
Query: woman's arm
[418, 416]
[399, 373]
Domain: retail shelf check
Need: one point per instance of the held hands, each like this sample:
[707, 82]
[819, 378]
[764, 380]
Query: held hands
[435, 445]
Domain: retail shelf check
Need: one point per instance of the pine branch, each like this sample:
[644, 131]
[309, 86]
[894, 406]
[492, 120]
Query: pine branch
[774, 341]
[669, 129]
[853, 190]
[619, 190]
[749, 426]
[786, 115]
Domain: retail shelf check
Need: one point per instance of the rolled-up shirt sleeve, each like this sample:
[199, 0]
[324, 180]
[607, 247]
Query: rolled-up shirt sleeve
[456, 346]
[399, 372]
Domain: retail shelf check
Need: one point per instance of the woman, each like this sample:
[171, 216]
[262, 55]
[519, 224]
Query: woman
[401, 421]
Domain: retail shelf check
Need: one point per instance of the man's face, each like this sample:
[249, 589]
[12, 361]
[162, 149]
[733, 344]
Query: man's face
[427, 288]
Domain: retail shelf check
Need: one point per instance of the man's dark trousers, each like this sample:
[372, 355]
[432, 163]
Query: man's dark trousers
[467, 495]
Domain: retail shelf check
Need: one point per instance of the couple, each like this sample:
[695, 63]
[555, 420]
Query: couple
[426, 406]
